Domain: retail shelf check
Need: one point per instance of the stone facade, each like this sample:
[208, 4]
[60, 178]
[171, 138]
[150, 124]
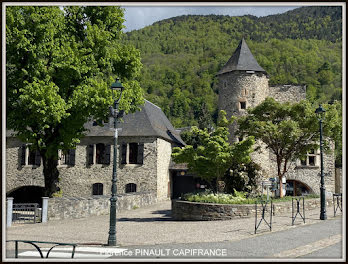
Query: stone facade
[16, 174]
[163, 157]
[77, 180]
[241, 87]
[79, 207]
[183, 210]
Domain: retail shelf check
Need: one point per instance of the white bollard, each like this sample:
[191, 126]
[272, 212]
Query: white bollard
[44, 209]
[9, 211]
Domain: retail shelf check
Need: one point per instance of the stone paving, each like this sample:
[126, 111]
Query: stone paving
[153, 225]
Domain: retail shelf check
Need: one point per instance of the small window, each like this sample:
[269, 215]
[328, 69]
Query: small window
[31, 157]
[67, 157]
[133, 153]
[97, 189]
[225, 84]
[311, 160]
[131, 187]
[242, 105]
[100, 152]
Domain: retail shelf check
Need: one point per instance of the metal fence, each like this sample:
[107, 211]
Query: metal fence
[26, 213]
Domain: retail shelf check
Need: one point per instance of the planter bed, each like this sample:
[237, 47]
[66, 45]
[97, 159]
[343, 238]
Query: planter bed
[184, 210]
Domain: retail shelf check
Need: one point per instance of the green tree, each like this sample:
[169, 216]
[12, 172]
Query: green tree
[60, 65]
[213, 154]
[288, 130]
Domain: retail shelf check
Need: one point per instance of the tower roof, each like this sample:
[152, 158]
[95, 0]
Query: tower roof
[241, 60]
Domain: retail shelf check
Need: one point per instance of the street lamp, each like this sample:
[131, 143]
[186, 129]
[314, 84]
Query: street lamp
[320, 111]
[116, 86]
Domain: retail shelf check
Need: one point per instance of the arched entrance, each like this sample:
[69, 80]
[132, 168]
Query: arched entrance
[297, 188]
[27, 194]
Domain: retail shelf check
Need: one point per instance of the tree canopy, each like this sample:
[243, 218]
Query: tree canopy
[289, 131]
[211, 154]
[60, 65]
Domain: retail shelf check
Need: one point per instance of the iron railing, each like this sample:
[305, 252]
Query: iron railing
[26, 212]
[337, 202]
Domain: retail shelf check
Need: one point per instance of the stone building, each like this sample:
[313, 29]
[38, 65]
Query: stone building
[146, 139]
[244, 83]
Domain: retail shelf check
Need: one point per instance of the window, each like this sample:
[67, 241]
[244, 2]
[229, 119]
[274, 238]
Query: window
[131, 187]
[97, 189]
[242, 105]
[132, 153]
[98, 154]
[30, 157]
[311, 159]
[66, 157]
[225, 84]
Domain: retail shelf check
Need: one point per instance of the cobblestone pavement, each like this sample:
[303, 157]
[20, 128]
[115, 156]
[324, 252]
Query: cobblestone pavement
[153, 225]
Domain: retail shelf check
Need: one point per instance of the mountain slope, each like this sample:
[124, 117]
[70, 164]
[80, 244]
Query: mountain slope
[181, 56]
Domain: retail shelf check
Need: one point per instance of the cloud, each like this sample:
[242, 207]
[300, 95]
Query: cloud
[140, 16]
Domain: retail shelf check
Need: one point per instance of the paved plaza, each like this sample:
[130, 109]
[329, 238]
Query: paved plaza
[153, 227]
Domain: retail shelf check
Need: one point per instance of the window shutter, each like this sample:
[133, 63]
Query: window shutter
[124, 153]
[37, 158]
[71, 157]
[90, 150]
[23, 148]
[107, 154]
[140, 158]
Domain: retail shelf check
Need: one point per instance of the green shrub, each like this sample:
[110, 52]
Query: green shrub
[236, 198]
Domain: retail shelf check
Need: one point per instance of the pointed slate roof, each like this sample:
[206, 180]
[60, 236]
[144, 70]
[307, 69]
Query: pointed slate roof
[150, 121]
[241, 60]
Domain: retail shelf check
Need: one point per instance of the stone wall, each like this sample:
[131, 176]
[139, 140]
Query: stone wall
[164, 151]
[310, 175]
[288, 93]
[77, 180]
[72, 207]
[183, 210]
[235, 87]
[16, 174]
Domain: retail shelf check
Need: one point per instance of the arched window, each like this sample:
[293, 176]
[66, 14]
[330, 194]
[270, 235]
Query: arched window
[131, 187]
[97, 189]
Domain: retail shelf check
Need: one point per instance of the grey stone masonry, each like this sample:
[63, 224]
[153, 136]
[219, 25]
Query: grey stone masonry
[239, 88]
[184, 210]
[244, 87]
[77, 180]
[78, 207]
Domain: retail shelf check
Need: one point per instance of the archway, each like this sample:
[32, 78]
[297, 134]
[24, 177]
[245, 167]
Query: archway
[27, 194]
[297, 188]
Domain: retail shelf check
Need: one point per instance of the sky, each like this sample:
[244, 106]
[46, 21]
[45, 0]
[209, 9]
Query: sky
[138, 17]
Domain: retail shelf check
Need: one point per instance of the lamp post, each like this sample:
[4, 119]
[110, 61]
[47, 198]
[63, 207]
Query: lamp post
[320, 111]
[116, 86]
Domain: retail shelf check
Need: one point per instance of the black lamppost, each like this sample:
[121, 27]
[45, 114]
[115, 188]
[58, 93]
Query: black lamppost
[320, 111]
[116, 86]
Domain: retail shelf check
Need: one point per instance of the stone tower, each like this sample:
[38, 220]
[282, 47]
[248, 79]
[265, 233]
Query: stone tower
[242, 83]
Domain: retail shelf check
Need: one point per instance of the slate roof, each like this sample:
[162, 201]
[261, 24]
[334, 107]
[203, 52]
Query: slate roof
[150, 121]
[241, 60]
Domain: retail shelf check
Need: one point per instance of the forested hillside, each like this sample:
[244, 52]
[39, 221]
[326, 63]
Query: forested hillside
[181, 56]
